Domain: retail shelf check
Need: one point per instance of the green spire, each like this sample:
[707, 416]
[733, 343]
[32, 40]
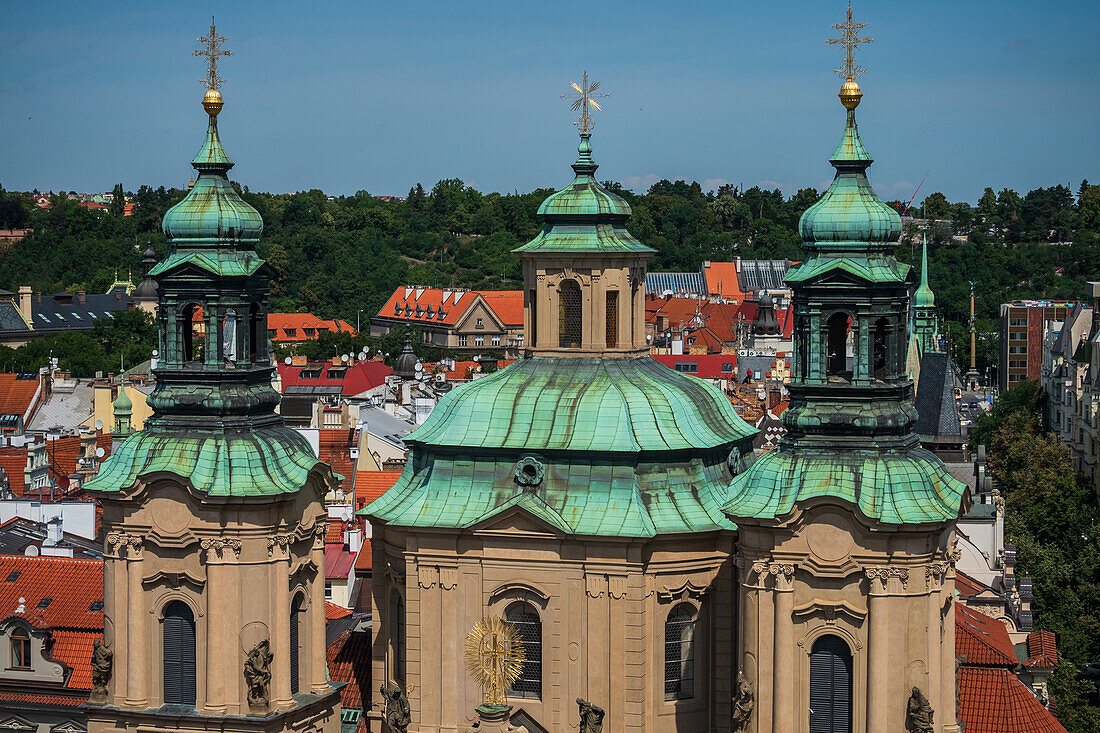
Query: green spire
[923, 297]
[123, 411]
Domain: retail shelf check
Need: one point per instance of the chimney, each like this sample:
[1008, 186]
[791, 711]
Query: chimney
[81, 295]
[53, 532]
[25, 301]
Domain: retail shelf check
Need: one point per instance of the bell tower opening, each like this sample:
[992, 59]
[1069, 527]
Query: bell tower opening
[569, 315]
[837, 344]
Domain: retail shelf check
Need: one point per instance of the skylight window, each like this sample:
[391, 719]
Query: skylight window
[43, 317]
[59, 316]
[44, 602]
[96, 606]
[13, 576]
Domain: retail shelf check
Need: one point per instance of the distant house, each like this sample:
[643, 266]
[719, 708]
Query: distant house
[294, 328]
[304, 383]
[28, 315]
[730, 282]
[20, 397]
[458, 320]
[52, 615]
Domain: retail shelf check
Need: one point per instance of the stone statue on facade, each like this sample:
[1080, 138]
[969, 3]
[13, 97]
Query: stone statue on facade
[257, 673]
[744, 700]
[398, 713]
[919, 713]
[102, 663]
[591, 717]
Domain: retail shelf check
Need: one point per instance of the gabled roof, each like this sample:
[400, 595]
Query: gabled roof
[446, 307]
[338, 561]
[983, 640]
[334, 611]
[723, 279]
[20, 394]
[937, 413]
[354, 380]
[1042, 650]
[291, 327]
[74, 588]
[763, 274]
[369, 485]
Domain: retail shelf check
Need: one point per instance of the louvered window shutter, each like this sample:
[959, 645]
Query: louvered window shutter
[179, 654]
[295, 610]
[830, 686]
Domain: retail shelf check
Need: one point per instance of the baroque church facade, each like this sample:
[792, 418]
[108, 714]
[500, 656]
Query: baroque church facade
[214, 609]
[610, 508]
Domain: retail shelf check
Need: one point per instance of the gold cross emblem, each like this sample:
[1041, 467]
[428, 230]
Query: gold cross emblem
[850, 40]
[212, 50]
[583, 100]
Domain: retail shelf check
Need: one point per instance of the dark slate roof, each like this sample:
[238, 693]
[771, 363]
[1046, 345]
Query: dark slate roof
[937, 414]
[1064, 343]
[64, 312]
[763, 274]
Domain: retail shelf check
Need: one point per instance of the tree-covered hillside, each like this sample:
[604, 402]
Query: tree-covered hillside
[342, 256]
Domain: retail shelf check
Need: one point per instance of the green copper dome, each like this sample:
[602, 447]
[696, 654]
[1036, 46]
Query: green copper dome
[584, 404]
[212, 212]
[592, 446]
[584, 216]
[850, 216]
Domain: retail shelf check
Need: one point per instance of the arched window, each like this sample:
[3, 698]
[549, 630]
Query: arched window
[525, 620]
[295, 644]
[569, 315]
[397, 613]
[830, 686]
[191, 350]
[179, 654]
[881, 349]
[680, 653]
[20, 649]
[837, 344]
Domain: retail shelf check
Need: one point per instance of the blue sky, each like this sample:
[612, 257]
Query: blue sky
[377, 96]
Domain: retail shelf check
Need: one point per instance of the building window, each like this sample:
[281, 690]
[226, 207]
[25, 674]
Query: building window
[496, 340]
[328, 591]
[397, 613]
[612, 319]
[463, 341]
[680, 653]
[309, 332]
[295, 650]
[20, 650]
[688, 367]
[830, 686]
[479, 340]
[569, 315]
[525, 620]
[291, 332]
[480, 323]
[727, 367]
[179, 654]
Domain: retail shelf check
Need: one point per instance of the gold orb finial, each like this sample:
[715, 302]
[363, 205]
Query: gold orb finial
[850, 94]
[213, 102]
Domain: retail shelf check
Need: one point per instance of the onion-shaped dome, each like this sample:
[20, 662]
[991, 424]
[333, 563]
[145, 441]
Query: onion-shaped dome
[212, 212]
[850, 216]
[584, 216]
[766, 322]
[147, 288]
[405, 366]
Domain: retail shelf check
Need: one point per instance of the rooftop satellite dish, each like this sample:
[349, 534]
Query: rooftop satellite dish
[99, 452]
[344, 358]
[287, 361]
[98, 425]
[477, 358]
[155, 353]
[362, 355]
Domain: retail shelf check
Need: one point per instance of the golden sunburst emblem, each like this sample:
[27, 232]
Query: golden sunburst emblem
[494, 657]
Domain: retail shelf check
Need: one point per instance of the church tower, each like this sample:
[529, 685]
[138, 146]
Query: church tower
[576, 494]
[924, 308]
[214, 558]
[845, 530]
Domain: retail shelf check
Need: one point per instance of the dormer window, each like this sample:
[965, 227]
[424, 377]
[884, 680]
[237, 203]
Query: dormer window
[397, 309]
[310, 332]
[291, 332]
[20, 649]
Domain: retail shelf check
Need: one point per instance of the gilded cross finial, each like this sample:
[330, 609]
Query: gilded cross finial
[850, 40]
[212, 50]
[583, 100]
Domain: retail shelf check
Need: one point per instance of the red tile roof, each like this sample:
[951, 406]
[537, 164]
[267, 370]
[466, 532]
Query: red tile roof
[982, 639]
[721, 279]
[967, 586]
[363, 559]
[63, 452]
[1042, 651]
[708, 366]
[72, 585]
[334, 533]
[993, 700]
[349, 660]
[19, 396]
[360, 377]
[412, 305]
[74, 648]
[338, 562]
[369, 485]
[14, 462]
[45, 699]
[291, 327]
[335, 446]
[333, 611]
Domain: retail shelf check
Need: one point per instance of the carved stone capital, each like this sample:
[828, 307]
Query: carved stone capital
[118, 543]
[782, 575]
[278, 546]
[216, 547]
[888, 578]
